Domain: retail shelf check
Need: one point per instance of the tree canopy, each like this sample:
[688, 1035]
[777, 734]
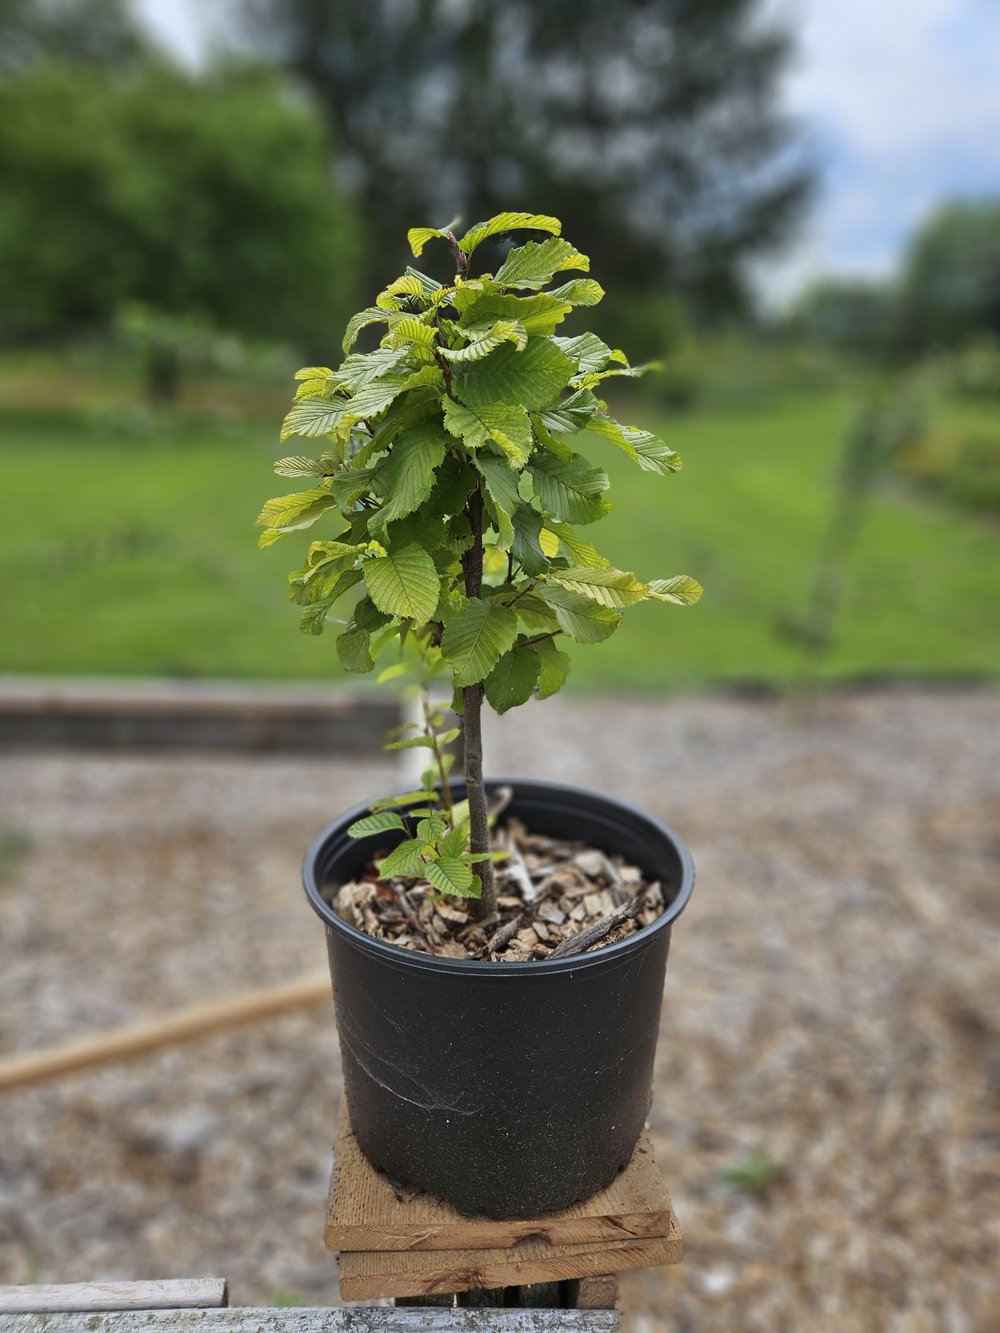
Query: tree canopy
[95, 32]
[950, 284]
[207, 196]
[651, 126]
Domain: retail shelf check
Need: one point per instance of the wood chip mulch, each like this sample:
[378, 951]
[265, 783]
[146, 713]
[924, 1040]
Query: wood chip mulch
[554, 899]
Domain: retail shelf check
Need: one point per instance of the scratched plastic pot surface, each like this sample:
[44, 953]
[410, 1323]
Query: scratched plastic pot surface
[510, 1089]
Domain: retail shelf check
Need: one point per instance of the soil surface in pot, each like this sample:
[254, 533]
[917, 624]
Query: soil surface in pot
[554, 899]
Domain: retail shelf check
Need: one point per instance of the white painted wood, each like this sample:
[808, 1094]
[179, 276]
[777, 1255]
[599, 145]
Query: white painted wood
[371, 1320]
[179, 1294]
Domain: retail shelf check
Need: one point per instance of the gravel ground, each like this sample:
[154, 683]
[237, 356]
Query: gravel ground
[829, 1068]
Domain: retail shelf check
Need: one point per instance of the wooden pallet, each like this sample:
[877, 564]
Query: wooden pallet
[405, 1243]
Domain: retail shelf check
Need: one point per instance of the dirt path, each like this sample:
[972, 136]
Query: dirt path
[830, 1026]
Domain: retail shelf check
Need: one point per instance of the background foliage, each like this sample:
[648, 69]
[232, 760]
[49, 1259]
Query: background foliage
[651, 129]
[175, 241]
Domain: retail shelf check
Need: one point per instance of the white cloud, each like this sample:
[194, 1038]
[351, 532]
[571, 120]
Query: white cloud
[905, 103]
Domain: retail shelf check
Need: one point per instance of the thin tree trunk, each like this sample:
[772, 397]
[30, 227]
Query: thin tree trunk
[472, 566]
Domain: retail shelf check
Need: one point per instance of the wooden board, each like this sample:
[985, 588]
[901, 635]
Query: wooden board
[413, 1320]
[179, 1294]
[371, 1274]
[366, 1212]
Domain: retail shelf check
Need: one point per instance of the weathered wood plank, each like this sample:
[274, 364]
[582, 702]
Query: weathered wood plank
[382, 1320]
[366, 1212]
[177, 1294]
[167, 715]
[596, 1293]
[377, 1273]
[125, 1043]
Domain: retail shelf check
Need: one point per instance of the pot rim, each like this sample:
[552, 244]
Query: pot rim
[400, 956]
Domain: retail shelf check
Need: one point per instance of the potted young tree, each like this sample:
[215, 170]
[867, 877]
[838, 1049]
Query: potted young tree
[452, 475]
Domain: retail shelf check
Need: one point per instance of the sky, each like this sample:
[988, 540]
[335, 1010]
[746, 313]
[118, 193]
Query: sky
[899, 101]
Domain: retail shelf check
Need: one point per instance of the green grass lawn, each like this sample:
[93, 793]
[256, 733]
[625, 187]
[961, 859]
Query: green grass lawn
[138, 557]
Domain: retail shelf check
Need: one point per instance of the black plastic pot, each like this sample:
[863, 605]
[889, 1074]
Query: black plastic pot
[511, 1089]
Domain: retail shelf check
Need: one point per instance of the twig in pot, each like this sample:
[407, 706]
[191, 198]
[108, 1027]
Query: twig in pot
[500, 937]
[582, 941]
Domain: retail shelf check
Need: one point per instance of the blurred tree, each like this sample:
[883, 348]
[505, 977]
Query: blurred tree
[850, 315]
[650, 126]
[950, 286]
[204, 197]
[100, 32]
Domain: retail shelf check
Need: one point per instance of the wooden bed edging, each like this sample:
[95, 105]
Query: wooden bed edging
[371, 1320]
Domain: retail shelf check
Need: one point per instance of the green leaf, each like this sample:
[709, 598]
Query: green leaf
[588, 351]
[504, 222]
[681, 589]
[526, 545]
[304, 467]
[368, 616]
[583, 553]
[431, 828]
[313, 619]
[313, 417]
[451, 490]
[624, 370]
[322, 555]
[359, 321]
[354, 651]
[392, 672]
[609, 587]
[286, 513]
[512, 679]
[538, 314]
[419, 236]
[407, 475]
[581, 291]
[648, 450]
[577, 615]
[428, 286]
[349, 483]
[319, 595]
[406, 860]
[570, 492]
[412, 283]
[533, 265]
[409, 329]
[326, 587]
[504, 423]
[397, 802]
[403, 583]
[456, 840]
[475, 637]
[395, 296]
[428, 531]
[487, 339]
[385, 819]
[531, 378]
[551, 443]
[534, 612]
[501, 494]
[554, 668]
[376, 396]
[569, 415]
[450, 874]
[411, 743]
[363, 368]
[413, 409]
